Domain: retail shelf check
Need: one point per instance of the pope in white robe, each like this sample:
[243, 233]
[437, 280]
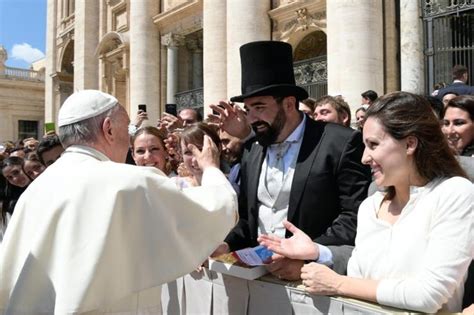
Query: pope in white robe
[93, 236]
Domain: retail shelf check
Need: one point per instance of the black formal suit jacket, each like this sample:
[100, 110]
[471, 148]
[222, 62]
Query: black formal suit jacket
[457, 88]
[328, 186]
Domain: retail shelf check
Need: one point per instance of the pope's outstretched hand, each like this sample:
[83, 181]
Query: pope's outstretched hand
[208, 156]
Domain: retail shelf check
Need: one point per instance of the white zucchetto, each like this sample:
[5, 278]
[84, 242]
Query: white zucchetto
[83, 105]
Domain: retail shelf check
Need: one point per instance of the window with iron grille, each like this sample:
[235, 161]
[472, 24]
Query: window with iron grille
[27, 129]
[449, 39]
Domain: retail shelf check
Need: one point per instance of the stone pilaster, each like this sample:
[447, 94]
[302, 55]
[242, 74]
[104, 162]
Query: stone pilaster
[355, 48]
[144, 58]
[86, 39]
[215, 54]
[172, 43]
[50, 112]
[411, 47]
[392, 70]
[194, 45]
[243, 26]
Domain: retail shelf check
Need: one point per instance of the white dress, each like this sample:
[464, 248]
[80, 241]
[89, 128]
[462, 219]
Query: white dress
[420, 260]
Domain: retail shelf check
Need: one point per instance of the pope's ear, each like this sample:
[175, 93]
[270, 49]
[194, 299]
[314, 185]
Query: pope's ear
[412, 144]
[107, 129]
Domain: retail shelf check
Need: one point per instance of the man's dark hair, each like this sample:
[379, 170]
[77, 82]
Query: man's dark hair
[371, 95]
[458, 72]
[198, 113]
[46, 144]
[436, 105]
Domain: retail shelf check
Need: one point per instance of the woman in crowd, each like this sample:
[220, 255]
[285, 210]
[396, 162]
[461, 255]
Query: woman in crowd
[360, 118]
[194, 134]
[16, 183]
[32, 165]
[414, 240]
[12, 169]
[458, 124]
[148, 149]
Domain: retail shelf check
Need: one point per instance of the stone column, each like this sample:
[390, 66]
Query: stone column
[86, 39]
[392, 43]
[144, 58]
[215, 53]
[50, 113]
[172, 42]
[243, 26]
[194, 45]
[411, 47]
[355, 48]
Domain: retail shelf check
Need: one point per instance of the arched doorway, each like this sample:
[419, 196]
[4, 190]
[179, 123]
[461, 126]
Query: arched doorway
[65, 77]
[113, 53]
[310, 64]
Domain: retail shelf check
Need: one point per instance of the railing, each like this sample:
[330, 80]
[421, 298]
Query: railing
[442, 7]
[210, 292]
[312, 75]
[22, 74]
[448, 39]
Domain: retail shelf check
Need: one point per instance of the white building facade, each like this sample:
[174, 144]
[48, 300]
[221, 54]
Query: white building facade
[187, 51]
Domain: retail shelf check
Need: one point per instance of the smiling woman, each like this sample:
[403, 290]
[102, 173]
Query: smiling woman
[148, 149]
[458, 124]
[414, 240]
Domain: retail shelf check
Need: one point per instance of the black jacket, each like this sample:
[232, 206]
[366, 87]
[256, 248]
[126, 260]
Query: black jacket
[328, 186]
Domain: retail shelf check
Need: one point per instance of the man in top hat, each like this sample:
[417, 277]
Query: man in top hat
[296, 169]
[95, 235]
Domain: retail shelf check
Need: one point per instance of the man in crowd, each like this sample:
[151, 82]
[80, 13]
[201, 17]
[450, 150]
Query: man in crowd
[307, 106]
[459, 85]
[189, 116]
[294, 169]
[186, 117]
[94, 235]
[332, 109]
[368, 97]
[231, 153]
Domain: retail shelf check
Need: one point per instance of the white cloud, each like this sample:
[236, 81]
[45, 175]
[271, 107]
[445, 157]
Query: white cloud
[26, 53]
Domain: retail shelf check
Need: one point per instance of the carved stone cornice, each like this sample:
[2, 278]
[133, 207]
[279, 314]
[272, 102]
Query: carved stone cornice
[303, 21]
[172, 40]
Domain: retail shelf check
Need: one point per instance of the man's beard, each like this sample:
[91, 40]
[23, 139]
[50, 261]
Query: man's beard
[270, 134]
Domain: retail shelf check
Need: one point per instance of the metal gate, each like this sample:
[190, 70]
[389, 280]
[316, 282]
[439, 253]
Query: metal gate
[312, 75]
[449, 39]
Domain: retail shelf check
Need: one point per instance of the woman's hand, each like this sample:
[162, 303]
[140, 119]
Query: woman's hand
[320, 279]
[299, 246]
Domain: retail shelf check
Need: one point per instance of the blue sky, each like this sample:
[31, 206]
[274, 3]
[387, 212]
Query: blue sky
[23, 31]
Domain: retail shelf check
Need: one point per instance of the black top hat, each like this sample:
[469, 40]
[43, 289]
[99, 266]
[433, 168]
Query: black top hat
[267, 69]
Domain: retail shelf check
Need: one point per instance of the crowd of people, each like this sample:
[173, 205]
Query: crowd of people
[301, 175]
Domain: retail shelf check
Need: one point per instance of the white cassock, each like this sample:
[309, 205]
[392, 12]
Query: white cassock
[91, 235]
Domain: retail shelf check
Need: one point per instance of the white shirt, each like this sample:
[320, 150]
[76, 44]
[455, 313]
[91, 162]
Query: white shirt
[268, 219]
[421, 260]
[91, 235]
